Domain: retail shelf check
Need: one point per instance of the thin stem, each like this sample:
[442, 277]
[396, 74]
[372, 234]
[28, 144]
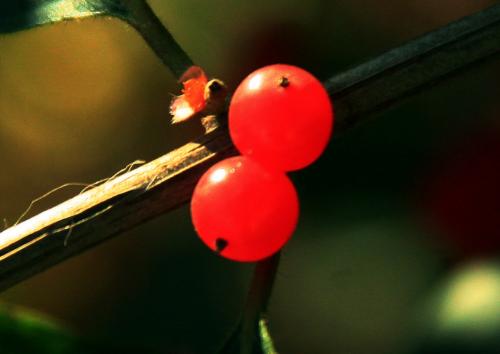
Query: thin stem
[137, 13]
[257, 300]
[391, 77]
[143, 19]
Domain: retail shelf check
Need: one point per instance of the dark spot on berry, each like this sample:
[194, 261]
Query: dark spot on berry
[284, 82]
[215, 86]
[220, 245]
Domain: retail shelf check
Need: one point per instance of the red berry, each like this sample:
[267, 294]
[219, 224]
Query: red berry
[281, 116]
[244, 211]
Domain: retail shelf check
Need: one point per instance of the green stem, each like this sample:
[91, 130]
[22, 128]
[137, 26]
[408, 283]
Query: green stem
[143, 19]
[257, 301]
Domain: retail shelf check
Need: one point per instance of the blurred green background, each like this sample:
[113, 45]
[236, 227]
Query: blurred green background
[397, 249]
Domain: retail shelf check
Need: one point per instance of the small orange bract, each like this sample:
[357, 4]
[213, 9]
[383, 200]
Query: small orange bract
[193, 98]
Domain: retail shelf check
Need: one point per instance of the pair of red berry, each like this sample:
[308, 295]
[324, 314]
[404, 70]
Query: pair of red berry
[280, 119]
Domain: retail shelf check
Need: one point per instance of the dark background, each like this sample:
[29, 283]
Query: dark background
[399, 235]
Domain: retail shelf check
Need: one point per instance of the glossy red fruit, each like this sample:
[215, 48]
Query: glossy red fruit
[281, 116]
[244, 211]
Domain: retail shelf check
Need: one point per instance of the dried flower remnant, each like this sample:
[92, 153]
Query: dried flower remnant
[200, 96]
